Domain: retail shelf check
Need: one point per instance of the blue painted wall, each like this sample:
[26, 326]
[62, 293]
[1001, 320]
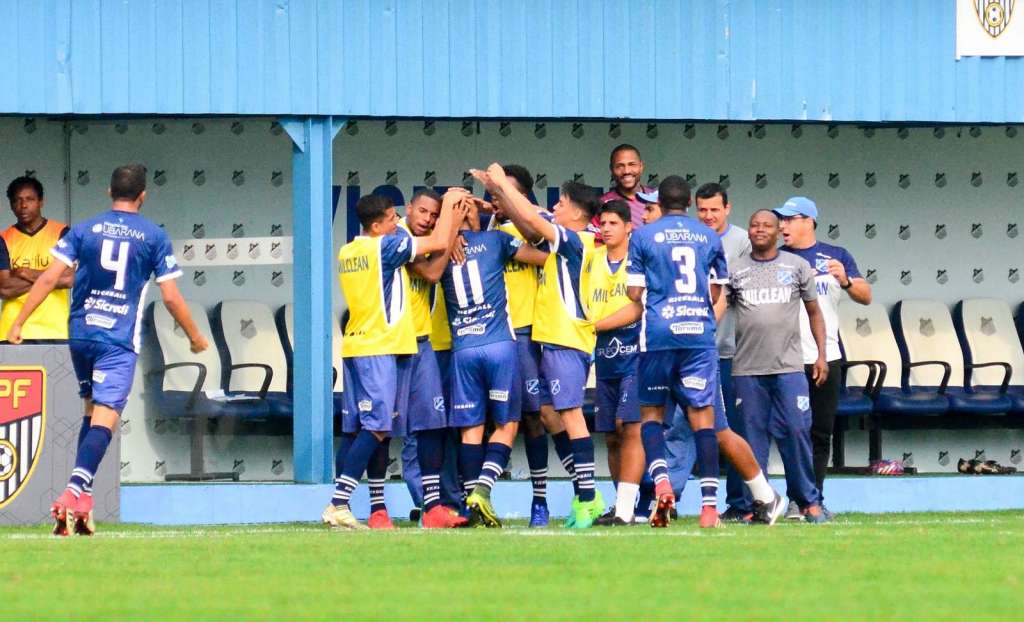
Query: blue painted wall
[871, 60]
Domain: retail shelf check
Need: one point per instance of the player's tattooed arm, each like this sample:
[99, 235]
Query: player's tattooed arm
[817, 321]
[178, 309]
[519, 210]
[453, 211]
[623, 317]
[45, 284]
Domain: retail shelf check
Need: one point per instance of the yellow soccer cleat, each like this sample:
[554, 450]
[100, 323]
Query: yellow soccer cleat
[341, 517]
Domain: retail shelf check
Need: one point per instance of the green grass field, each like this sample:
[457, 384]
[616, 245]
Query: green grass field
[909, 566]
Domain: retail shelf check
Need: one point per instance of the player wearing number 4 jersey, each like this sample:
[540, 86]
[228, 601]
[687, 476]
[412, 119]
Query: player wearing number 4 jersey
[114, 254]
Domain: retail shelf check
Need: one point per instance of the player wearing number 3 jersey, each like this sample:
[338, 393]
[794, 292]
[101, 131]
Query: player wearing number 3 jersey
[115, 254]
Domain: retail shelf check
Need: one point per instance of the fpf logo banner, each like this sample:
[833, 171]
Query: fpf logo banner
[989, 28]
[22, 427]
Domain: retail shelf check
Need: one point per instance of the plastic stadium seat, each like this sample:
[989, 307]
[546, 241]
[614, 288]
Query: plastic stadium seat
[188, 385]
[924, 330]
[285, 318]
[992, 348]
[255, 357]
[866, 335]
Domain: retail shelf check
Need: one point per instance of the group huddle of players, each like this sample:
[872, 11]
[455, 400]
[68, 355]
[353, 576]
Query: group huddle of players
[457, 326]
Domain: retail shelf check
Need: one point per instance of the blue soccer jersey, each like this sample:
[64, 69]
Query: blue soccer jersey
[677, 259]
[116, 253]
[474, 292]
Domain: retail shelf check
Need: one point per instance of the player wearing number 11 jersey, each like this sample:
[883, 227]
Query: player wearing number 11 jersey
[115, 254]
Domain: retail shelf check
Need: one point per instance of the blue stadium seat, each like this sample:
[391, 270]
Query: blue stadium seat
[867, 335]
[992, 348]
[254, 359]
[285, 319]
[183, 384]
[928, 342]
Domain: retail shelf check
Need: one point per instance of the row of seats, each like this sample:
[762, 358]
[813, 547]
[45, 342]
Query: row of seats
[923, 360]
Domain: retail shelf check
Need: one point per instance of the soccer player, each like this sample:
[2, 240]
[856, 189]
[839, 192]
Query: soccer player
[379, 334]
[24, 255]
[617, 412]
[538, 419]
[565, 333]
[713, 209]
[423, 452]
[485, 374]
[676, 266]
[114, 254]
[765, 288]
[835, 272]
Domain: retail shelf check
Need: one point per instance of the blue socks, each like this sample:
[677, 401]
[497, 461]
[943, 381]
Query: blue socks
[86, 424]
[707, 465]
[376, 475]
[430, 453]
[493, 467]
[339, 458]
[652, 434]
[583, 457]
[563, 447]
[355, 462]
[91, 449]
[537, 459]
[471, 460]
[646, 498]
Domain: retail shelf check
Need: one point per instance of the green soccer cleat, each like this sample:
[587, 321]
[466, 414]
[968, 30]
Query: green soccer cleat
[570, 520]
[586, 512]
[481, 512]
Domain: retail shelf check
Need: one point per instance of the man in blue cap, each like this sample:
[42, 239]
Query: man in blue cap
[835, 272]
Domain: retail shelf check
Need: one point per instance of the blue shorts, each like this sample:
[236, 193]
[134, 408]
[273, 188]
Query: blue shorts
[689, 376]
[616, 399]
[529, 370]
[485, 383]
[563, 375]
[444, 363]
[376, 393]
[105, 372]
[426, 394]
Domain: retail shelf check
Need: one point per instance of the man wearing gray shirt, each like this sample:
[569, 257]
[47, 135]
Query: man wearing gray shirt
[766, 289]
[713, 209]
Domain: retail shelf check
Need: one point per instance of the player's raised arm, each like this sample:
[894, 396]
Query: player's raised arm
[45, 284]
[520, 211]
[431, 268]
[179, 311]
[530, 255]
[453, 210]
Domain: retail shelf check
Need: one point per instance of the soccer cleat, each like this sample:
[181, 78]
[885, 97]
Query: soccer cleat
[829, 514]
[62, 512]
[539, 515]
[709, 517]
[415, 514]
[481, 512]
[736, 515]
[662, 514]
[814, 514]
[83, 523]
[341, 517]
[440, 517]
[570, 520]
[380, 520]
[768, 513]
[793, 512]
[606, 519]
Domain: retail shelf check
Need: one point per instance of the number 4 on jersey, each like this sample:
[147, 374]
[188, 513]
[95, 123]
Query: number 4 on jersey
[118, 266]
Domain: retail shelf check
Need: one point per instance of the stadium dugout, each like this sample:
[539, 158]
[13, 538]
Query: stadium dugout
[261, 125]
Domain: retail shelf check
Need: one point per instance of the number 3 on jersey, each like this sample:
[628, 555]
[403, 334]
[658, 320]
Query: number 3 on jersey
[118, 266]
[685, 259]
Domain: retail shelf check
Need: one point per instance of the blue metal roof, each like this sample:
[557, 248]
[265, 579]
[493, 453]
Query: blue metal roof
[834, 60]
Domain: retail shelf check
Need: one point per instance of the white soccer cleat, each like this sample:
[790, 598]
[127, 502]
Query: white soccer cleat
[341, 517]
